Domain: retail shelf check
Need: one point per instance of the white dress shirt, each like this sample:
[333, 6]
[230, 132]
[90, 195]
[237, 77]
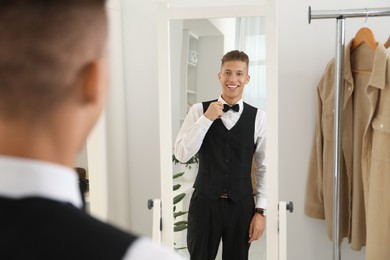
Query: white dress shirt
[21, 178]
[195, 127]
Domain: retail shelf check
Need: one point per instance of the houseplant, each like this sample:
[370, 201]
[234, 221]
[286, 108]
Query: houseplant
[190, 167]
[180, 222]
[179, 225]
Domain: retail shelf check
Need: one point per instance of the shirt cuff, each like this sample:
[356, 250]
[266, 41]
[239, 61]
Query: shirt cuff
[261, 203]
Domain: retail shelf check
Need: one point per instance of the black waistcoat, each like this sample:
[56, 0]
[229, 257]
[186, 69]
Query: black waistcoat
[36, 228]
[225, 157]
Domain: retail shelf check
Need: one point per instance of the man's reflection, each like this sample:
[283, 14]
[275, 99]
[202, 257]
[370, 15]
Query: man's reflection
[227, 133]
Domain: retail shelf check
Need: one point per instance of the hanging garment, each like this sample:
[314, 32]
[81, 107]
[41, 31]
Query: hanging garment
[365, 77]
[378, 208]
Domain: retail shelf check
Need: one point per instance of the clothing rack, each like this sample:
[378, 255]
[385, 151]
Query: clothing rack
[340, 16]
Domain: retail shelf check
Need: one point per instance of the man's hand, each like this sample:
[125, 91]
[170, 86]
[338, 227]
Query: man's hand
[214, 111]
[256, 228]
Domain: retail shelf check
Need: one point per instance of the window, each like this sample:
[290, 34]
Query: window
[250, 38]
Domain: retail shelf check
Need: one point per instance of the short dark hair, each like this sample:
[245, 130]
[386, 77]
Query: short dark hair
[235, 55]
[44, 44]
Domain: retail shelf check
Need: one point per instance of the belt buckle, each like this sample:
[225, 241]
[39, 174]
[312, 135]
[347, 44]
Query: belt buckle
[224, 196]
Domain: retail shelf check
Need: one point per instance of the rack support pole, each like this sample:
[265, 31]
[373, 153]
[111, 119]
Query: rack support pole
[338, 108]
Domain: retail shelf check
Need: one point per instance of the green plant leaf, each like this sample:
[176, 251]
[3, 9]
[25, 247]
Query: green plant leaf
[176, 187]
[178, 198]
[178, 214]
[179, 223]
[194, 159]
[180, 228]
[177, 175]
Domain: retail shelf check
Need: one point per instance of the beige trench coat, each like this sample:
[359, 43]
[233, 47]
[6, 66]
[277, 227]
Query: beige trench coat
[365, 152]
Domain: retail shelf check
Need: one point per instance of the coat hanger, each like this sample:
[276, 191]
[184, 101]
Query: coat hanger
[364, 35]
[387, 43]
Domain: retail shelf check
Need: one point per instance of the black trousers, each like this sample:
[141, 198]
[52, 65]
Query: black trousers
[211, 220]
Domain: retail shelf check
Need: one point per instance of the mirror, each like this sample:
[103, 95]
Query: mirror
[196, 49]
[168, 13]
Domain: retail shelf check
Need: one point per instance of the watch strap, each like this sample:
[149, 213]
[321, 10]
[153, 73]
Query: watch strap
[260, 211]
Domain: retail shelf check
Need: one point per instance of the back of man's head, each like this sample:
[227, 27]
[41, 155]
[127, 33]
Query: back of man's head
[44, 46]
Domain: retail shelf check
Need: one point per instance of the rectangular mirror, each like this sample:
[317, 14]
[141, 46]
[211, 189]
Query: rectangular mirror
[175, 98]
[196, 49]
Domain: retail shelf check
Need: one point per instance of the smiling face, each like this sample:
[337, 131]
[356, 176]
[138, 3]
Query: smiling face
[233, 77]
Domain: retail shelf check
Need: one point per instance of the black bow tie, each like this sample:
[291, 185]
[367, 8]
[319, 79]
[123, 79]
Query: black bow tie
[235, 107]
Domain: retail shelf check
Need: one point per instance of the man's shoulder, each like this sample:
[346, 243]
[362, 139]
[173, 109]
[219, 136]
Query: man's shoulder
[75, 219]
[250, 106]
[56, 227]
[206, 104]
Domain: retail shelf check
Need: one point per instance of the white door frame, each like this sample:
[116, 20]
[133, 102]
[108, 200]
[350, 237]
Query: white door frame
[165, 13]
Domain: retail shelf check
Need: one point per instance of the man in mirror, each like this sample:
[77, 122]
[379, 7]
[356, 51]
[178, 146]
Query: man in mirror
[228, 134]
[53, 87]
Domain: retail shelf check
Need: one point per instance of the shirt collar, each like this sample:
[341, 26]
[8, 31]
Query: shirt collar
[240, 102]
[378, 72]
[20, 178]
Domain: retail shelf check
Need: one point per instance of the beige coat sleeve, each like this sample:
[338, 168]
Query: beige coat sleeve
[314, 202]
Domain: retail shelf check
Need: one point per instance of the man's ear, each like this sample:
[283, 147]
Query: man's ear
[89, 87]
[247, 79]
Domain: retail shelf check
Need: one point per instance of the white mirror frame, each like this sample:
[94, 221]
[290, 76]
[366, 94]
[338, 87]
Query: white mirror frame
[165, 14]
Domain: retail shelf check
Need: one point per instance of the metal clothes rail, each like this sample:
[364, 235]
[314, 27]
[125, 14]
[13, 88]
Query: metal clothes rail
[340, 16]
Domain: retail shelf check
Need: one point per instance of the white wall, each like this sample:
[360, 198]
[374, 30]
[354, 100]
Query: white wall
[210, 53]
[97, 169]
[304, 50]
[95, 155]
[227, 26]
[206, 3]
[176, 39]
[141, 80]
[117, 170]
[105, 155]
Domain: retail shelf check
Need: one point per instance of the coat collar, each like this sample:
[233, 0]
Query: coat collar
[378, 73]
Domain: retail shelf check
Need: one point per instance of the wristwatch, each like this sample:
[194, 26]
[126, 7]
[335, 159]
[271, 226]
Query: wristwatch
[261, 211]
